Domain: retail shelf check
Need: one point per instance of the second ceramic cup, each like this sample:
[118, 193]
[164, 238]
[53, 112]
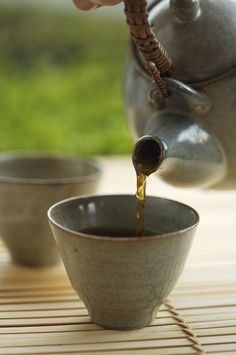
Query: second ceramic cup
[29, 185]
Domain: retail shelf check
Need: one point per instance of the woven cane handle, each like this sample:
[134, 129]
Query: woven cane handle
[157, 60]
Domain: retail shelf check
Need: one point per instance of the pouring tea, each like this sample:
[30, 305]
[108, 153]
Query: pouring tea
[183, 107]
[183, 100]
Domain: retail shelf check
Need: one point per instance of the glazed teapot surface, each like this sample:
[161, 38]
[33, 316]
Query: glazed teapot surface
[188, 132]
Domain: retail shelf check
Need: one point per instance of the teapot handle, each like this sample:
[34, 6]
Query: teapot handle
[157, 60]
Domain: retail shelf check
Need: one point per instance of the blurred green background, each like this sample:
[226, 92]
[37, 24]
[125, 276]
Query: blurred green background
[61, 75]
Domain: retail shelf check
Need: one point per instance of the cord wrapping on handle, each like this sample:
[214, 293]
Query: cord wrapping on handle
[158, 62]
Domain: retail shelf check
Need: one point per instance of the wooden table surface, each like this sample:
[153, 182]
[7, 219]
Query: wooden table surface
[41, 314]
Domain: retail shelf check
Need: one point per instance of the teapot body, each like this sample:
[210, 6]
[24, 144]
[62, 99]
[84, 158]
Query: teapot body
[211, 75]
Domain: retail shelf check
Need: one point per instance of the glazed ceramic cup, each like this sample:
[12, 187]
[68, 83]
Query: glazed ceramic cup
[121, 278]
[29, 185]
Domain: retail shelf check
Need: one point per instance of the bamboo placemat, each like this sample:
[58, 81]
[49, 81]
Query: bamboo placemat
[41, 314]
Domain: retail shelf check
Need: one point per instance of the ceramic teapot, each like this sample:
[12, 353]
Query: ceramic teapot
[182, 105]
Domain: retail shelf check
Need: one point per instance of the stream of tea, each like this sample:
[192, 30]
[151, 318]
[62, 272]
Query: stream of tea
[147, 157]
[143, 171]
[140, 203]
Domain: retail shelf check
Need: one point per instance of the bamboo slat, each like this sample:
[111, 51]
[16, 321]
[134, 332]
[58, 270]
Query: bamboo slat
[41, 314]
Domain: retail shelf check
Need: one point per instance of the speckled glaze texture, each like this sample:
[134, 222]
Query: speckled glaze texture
[123, 280]
[29, 185]
[196, 123]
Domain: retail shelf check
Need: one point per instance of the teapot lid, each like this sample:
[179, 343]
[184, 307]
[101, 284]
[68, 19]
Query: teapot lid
[202, 46]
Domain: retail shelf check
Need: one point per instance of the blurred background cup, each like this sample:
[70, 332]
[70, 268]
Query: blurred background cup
[29, 184]
[122, 279]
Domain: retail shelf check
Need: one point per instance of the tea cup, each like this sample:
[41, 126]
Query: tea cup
[29, 185]
[122, 278]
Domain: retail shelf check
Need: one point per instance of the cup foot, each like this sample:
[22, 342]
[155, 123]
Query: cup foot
[127, 322]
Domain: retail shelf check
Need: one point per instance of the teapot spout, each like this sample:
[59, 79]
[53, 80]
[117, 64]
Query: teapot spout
[148, 154]
[182, 153]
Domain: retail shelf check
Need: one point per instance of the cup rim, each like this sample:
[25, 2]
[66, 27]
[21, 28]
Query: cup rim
[78, 234]
[54, 180]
